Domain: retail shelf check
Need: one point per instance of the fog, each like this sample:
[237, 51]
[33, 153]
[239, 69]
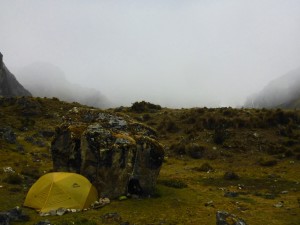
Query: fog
[173, 53]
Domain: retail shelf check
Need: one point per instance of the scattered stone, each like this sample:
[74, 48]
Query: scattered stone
[8, 135]
[231, 176]
[61, 211]
[125, 223]
[270, 196]
[284, 192]
[8, 169]
[111, 217]
[195, 150]
[225, 218]
[47, 133]
[209, 204]
[14, 214]
[99, 204]
[279, 204]
[4, 219]
[104, 201]
[205, 167]
[44, 214]
[231, 194]
[45, 222]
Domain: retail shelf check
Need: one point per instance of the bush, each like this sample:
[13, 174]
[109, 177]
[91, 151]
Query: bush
[220, 135]
[268, 162]
[144, 106]
[13, 179]
[195, 150]
[174, 183]
[231, 176]
[205, 167]
[32, 172]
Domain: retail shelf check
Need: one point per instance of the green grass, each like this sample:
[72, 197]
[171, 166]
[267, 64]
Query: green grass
[250, 136]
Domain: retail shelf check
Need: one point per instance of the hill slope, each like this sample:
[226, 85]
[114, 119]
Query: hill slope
[281, 92]
[9, 86]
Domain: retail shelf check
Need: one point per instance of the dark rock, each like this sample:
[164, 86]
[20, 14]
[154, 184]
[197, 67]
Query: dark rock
[231, 176]
[29, 106]
[4, 219]
[195, 150]
[231, 194]
[46, 222]
[8, 135]
[111, 217]
[9, 86]
[125, 223]
[225, 218]
[13, 215]
[40, 143]
[205, 167]
[47, 133]
[29, 139]
[111, 150]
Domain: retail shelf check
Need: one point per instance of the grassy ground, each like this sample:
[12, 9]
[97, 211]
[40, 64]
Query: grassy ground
[263, 153]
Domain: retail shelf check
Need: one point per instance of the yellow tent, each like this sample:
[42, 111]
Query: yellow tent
[61, 190]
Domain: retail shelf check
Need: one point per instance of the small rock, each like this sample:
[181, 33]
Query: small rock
[209, 204]
[46, 222]
[8, 169]
[73, 210]
[4, 219]
[231, 194]
[44, 214]
[231, 176]
[111, 217]
[52, 212]
[225, 218]
[15, 215]
[104, 201]
[278, 204]
[284, 192]
[61, 211]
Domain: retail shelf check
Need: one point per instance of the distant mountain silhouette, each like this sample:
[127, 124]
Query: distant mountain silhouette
[46, 80]
[283, 92]
[9, 86]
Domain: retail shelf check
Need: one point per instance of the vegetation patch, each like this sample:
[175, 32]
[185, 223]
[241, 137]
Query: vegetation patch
[173, 183]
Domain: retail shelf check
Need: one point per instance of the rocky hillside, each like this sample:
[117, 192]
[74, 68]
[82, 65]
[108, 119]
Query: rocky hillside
[9, 86]
[281, 92]
[242, 161]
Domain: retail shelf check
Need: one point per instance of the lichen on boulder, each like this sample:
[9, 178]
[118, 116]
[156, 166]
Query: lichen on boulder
[117, 154]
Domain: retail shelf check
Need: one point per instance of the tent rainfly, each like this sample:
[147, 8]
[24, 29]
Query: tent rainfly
[61, 190]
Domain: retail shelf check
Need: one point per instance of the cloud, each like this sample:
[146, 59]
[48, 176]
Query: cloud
[174, 53]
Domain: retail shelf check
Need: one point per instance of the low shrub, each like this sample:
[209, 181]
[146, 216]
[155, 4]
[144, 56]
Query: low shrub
[267, 162]
[231, 176]
[13, 179]
[205, 167]
[174, 183]
[195, 150]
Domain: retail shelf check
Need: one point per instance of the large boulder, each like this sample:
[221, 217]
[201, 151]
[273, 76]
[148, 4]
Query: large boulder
[9, 86]
[118, 155]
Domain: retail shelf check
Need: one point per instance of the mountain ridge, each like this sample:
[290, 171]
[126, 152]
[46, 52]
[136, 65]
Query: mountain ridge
[9, 85]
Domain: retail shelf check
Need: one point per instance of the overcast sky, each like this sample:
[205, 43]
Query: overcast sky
[177, 53]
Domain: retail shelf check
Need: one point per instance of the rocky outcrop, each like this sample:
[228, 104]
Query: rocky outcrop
[118, 155]
[225, 218]
[9, 86]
